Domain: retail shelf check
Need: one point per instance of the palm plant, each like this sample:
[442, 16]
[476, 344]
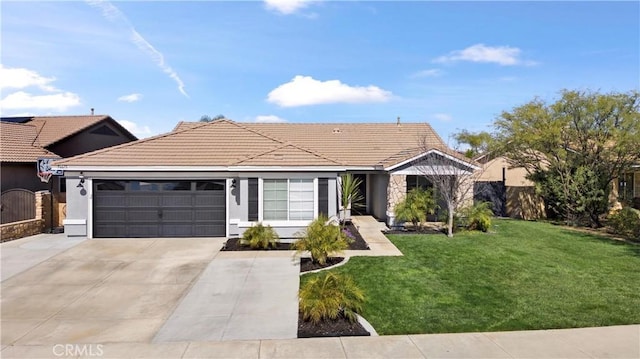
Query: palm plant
[330, 295]
[321, 239]
[478, 217]
[260, 237]
[351, 196]
[415, 206]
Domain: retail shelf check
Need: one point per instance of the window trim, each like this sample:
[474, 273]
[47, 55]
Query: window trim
[287, 222]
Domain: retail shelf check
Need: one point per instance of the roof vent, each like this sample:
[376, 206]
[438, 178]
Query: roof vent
[336, 130]
[92, 110]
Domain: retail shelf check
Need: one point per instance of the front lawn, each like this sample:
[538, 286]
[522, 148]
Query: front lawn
[525, 275]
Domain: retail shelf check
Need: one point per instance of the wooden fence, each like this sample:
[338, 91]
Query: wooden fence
[17, 205]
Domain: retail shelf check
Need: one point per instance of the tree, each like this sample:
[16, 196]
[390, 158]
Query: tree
[207, 118]
[574, 148]
[452, 177]
[478, 142]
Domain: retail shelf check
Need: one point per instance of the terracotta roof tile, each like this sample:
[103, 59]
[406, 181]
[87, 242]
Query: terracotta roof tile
[18, 143]
[228, 143]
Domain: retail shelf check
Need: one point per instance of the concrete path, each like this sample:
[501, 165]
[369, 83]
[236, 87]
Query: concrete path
[619, 342]
[371, 230]
[21, 254]
[240, 295]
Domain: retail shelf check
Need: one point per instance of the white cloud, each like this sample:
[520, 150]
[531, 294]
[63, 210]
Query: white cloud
[443, 117]
[130, 98]
[22, 100]
[22, 78]
[428, 73]
[502, 55]
[305, 90]
[137, 130]
[286, 7]
[269, 119]
[19, 78]
[113, 14]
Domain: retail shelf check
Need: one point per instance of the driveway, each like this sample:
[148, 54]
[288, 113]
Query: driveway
[120, 290]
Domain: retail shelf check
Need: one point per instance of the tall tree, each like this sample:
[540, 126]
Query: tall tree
[207, 118]
[452, 178]
[574, 148]
[478, 142]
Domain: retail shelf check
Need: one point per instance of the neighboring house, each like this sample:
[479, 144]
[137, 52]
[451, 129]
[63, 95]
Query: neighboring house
[219, 178]
[507, 187]
[626, 189]
[25, 139]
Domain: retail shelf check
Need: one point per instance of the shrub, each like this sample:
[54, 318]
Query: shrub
[626, 222]
[478, 216]
[260, 237]
[415, 206]
[321, 239]
[329, 295]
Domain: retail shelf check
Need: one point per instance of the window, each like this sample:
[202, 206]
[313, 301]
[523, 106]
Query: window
[417, 182]
[216, 185]
[275, 203]
[300, 199]
[288, 199]
[110, 185]
[626, 187]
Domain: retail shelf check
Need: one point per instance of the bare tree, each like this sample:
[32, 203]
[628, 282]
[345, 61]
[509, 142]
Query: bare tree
[451, 174]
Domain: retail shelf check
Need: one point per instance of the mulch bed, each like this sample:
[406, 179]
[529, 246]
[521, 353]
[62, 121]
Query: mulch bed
[233, 244]
[340, 327]
[307, 265]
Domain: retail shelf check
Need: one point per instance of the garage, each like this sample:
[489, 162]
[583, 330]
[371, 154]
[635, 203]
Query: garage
[147, 208]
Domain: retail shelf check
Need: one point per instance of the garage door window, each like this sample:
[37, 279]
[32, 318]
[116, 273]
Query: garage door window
[290, 199]
[110, 185]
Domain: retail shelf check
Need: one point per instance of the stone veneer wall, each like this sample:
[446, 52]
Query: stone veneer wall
[29, 227]
[396, 192]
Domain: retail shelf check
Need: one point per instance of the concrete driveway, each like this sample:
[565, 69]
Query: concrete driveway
[107, 291]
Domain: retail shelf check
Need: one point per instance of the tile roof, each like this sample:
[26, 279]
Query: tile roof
[228, 143]
[18, 143]
[52, 129]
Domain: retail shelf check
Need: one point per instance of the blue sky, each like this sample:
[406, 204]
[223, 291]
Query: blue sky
[456, 65]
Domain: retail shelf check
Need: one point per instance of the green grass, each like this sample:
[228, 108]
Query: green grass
[523, 275]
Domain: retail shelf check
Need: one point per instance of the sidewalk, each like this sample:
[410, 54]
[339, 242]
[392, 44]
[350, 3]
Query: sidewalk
[618, 342]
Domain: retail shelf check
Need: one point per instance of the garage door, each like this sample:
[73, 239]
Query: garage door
[159, 208]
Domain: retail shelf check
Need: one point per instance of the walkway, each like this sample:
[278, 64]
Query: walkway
[371, 230]
[240, 295]
[617, 342]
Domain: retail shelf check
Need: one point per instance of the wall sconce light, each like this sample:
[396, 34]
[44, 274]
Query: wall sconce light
[81, 184]
[234, 183]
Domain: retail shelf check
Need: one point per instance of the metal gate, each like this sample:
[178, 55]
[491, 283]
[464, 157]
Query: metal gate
[17, 205]
[159, 208]
[494, 192]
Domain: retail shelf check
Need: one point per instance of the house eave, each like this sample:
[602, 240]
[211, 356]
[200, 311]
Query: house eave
[215, 168]
[424, 154]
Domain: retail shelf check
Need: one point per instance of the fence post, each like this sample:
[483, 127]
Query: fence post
[43, 207]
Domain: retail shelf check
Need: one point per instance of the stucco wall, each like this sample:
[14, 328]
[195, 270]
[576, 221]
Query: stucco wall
[78, 208]
[492, 171]
[379, 184]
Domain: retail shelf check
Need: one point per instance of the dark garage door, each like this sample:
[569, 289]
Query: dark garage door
[159, 208]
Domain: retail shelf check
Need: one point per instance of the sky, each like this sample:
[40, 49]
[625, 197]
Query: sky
[456, 65]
